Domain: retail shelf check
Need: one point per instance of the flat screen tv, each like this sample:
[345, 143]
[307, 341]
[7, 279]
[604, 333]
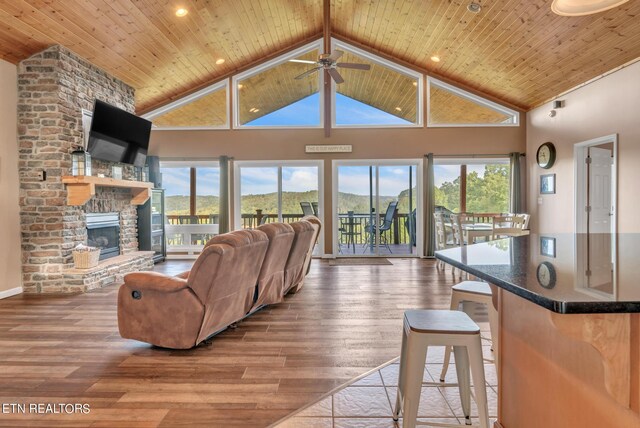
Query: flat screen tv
[118, 136]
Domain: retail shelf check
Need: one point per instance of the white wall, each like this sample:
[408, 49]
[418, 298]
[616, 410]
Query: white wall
[606, 106]
[10, 270]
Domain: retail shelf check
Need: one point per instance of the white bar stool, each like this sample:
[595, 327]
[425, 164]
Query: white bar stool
[424, 328]
[478, 292]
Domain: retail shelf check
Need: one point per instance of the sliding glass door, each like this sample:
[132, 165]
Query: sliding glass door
[273, 191]
[192, 190]
[376, 208]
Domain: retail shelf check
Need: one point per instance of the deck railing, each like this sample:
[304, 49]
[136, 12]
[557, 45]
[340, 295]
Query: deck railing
[190, 233]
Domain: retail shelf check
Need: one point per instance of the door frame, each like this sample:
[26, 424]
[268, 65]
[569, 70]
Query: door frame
[336, 163]
[579, 154]
[237, 189]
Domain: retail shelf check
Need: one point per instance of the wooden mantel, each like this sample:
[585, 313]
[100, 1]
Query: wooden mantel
[82, 187]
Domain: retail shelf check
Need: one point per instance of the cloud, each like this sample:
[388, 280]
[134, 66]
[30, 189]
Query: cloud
[356, 180]
[299, 179]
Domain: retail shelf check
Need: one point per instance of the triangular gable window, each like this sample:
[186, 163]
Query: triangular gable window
[205, 109]
[451, 106]
[271, 91]
[385, 87]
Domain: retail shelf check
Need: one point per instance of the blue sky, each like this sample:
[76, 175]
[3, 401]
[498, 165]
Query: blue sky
[306, 112]
[175, 181]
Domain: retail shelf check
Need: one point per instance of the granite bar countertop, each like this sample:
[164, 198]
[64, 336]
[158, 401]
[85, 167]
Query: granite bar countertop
[565, 273]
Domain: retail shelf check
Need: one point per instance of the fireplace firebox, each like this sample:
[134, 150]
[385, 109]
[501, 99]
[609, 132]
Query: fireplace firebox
[103, 231]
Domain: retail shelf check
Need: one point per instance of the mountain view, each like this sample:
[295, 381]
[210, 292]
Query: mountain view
[268, 203]
[487, 192]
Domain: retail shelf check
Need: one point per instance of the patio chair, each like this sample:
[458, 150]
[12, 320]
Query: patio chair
[307, 209]
[370, 229]
[314, 205]
[348, 232]
[444, 238]
[507, 226]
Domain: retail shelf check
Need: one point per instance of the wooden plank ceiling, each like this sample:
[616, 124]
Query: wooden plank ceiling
[515, 50]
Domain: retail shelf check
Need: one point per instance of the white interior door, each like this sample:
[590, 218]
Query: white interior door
[599, 177]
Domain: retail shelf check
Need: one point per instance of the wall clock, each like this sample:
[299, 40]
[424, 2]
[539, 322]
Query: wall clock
[546, 275]
[546, 155]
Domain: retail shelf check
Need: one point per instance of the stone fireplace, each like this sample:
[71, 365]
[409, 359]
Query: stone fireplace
[53, 88]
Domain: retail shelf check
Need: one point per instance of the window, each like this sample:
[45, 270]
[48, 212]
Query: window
[385, 95]
[474, 186]
[271, 96]
[451, 106]
[205, 109]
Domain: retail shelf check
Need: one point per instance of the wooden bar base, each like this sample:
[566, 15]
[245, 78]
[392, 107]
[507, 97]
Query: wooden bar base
[567, 371]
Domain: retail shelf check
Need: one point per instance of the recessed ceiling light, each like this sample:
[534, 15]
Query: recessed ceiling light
[415, 83]
[398, 109]
[435, 58]
[240, 86]
[474, 7]
[252, 109]
[220, 61]
[255, 110]
[181, 12]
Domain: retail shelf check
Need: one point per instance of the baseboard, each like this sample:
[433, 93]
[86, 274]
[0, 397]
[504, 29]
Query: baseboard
[12, 292]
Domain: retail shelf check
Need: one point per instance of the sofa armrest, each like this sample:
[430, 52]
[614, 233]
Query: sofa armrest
[153, 281]
[183, 275]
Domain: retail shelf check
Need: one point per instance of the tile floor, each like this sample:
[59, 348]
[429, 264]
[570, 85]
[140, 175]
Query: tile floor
[367, 401]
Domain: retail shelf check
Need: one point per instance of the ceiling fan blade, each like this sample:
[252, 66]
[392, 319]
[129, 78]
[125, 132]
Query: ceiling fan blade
[335, 75]
[302, 61]
[306, 73]
[335, 55]
[354, 66]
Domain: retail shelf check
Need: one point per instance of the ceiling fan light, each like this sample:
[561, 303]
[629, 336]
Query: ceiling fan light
[181, 12]
[583, 7]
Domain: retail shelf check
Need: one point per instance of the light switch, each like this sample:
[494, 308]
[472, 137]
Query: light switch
[539, 200]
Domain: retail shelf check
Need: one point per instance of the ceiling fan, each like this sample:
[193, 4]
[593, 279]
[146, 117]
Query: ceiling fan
[329, 63]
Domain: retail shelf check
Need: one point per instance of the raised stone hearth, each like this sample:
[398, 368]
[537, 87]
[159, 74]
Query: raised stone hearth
[53, 88]
[107, 272]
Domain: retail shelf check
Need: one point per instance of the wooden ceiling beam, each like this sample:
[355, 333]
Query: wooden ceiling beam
[326, 90]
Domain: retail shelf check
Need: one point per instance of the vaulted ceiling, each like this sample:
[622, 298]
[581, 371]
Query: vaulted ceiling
[515, 50]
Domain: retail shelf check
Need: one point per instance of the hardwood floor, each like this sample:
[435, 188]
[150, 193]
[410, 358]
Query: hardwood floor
[345, 322]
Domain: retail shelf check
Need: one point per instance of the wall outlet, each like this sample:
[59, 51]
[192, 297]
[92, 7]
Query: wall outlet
[539, 200]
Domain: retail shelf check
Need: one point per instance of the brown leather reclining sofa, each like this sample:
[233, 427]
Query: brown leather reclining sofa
[236, 274]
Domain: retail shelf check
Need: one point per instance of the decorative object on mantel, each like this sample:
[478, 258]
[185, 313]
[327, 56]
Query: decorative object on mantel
[80, 162]
[85, 257]
[547, 184]
[81, 189]
[546, 155]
